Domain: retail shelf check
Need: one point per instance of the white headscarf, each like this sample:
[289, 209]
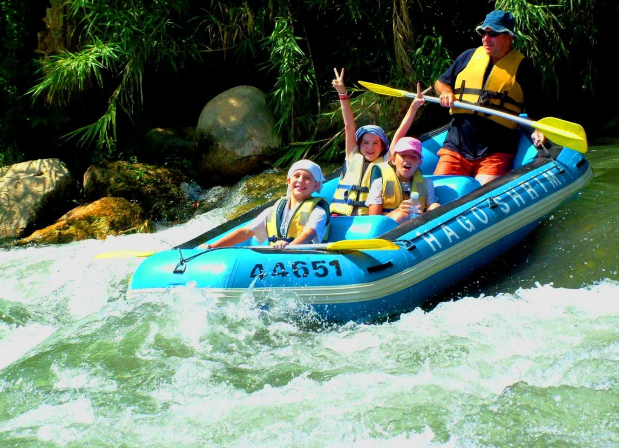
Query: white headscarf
[310, 166]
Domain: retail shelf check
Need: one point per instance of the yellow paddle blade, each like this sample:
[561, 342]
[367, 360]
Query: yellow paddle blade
[125, 254]
[373, 244]
[383, 90]
[565, 133]
[348, 245]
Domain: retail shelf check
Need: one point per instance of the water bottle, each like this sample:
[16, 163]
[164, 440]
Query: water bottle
[414, 201]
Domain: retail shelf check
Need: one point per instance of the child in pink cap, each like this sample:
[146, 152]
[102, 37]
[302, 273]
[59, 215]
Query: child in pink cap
[392, 183]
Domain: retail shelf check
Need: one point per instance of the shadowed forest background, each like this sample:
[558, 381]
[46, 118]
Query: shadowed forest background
[84, 80]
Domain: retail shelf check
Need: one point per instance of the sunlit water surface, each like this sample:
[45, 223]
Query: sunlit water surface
[524, 354]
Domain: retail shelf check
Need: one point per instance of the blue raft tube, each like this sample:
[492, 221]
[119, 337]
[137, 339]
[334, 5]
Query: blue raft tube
[474, 225]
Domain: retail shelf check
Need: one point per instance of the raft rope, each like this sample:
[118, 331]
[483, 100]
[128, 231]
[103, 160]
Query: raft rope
[182, 264]
[545, 147]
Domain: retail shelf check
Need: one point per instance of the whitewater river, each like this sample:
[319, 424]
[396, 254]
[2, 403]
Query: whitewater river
[525, 355]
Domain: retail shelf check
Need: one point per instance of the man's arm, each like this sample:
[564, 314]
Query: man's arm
[445, 93]
[444, 85]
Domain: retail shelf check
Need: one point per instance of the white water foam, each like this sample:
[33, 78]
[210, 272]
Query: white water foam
[235, 365]
[16, 341]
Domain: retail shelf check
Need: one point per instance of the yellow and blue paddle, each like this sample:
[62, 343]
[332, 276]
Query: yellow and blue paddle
[337, 246]
[564, 133]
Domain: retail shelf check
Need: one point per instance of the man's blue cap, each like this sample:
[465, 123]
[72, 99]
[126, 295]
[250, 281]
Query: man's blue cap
[372, 129]
[499, 21]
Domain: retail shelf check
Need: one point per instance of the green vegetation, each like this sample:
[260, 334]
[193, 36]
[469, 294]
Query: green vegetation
[564, 31]
[11, 34]
[101, 67]
[117, 38]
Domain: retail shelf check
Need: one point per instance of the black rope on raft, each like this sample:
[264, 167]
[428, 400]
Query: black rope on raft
[182, 264]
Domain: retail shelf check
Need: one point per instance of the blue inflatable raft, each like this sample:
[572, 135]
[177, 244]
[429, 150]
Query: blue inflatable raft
[474, 225]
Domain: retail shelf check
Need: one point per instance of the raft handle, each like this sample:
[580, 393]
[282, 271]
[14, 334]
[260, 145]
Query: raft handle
[408, 244]
[180, 267]
[580, 163]
[182, 264]
[380, 267]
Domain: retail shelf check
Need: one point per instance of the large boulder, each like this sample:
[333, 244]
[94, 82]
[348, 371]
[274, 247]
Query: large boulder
[235, 135]
[107, 216]
[30, 192]
[166, 194]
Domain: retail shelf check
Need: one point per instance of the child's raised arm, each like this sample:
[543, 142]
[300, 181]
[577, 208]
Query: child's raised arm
[347, 113]
[409, 117]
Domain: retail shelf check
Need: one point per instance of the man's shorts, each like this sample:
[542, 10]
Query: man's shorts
[451, 162]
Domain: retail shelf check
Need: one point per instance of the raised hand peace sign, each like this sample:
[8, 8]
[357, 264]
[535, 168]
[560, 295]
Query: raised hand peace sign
[338, 82]
[419, 99]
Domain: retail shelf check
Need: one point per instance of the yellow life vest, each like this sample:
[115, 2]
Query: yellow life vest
[352, 191]
[501, 91]
[392, 189]
[297, 221]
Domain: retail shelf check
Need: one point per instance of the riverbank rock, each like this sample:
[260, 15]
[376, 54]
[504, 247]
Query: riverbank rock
[235, 136]
[107, 216]
[30, 192]
[165, 194]
[171, 147]
[211, 199]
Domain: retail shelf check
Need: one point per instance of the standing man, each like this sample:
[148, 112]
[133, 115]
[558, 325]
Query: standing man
[495, 76]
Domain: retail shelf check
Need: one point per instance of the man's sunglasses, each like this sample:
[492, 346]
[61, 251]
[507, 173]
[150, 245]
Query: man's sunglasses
[482, 33]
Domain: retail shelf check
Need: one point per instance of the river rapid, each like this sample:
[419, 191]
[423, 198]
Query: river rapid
[524, 354]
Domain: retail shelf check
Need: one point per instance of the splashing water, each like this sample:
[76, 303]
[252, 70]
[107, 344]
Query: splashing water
[527, 356]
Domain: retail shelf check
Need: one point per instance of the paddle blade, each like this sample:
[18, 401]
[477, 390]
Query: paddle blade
[125, 254]
[565, 133]
[373, 244]
[348, 245]
[384, 90]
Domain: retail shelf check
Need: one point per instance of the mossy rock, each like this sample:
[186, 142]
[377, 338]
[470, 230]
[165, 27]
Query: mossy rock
[107, 216]
[159, 190]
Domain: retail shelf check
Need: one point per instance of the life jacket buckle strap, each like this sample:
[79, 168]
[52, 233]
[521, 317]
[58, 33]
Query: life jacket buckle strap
[349, 188]
[274, 239]
[349, 202]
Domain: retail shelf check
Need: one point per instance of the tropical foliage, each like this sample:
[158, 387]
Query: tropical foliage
[118, 40]
[556, 32]
[12, 37]
[113, 60]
